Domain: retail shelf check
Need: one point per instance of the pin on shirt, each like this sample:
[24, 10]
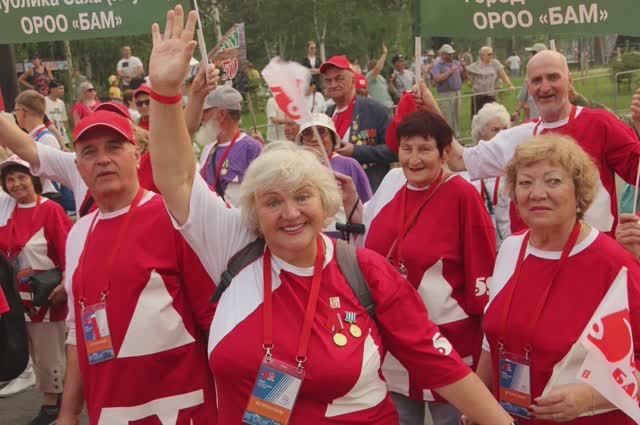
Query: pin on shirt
[339, 338]
[334, 303]
[354, 329]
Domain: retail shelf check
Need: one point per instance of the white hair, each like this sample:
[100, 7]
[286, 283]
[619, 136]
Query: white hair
[287, 166]
[485, 115]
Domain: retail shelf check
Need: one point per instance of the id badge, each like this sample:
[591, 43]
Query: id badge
[274, 394]
[97, 337]
[515, 384]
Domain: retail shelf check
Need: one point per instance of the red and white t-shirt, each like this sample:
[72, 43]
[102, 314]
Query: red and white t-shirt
[611, 144]
[38, 240]
[449, 255]
[158, 313]
[342, 118]
[579, 287]
[342, 384]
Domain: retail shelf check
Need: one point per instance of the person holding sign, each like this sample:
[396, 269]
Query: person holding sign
[288, 320]
[547, 284]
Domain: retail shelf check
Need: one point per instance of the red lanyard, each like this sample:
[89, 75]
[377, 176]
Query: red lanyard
[405, 226]
[312, 304]
[572, 116]
[225, 155]
[533, 320]
[495, 190]
[12, 225]
[114, 252]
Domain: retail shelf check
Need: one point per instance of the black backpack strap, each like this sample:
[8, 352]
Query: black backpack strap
[239, 261]
[348, 261]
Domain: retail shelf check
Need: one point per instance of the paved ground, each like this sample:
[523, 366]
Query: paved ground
[21, 408]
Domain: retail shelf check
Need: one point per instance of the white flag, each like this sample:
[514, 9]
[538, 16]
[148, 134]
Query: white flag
[609, 366]
[288, 82]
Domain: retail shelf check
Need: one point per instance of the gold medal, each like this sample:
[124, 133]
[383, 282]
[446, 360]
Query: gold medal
[224, 172]
[339, 339]
[355, 331]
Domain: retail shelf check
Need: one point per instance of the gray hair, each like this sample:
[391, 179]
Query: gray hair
[287, 166]
[486, 114]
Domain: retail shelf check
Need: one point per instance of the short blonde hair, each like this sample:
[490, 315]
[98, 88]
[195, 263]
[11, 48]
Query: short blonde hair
[486, 114]
[563, 151]
[485, 49]
[33, 101]
[287, 166]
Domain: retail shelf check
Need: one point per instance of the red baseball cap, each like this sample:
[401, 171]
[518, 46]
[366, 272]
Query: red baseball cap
[105, 120]
[361, 82]
[116, 107]
[338, 61]
[142, 89]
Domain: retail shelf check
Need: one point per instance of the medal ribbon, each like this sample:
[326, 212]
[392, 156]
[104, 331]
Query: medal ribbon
[405, 226]
[225, 155]
[571, 243]
[114, 252]
[312, 304]
[12, 226]
[572, 116]
[495, 190]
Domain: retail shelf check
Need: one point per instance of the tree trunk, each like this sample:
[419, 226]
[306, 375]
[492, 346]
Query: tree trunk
[8, 80]
[216, 20]
[68, 57]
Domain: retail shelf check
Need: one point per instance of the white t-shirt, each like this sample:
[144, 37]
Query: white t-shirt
[274, 131]
[61, 167]
[57, 112]
[129, 67]
[316, 102]
[513, 62]
[44, 137]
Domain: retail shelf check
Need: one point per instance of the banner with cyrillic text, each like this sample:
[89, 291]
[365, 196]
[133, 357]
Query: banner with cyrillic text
[482, 18]
[24, 21]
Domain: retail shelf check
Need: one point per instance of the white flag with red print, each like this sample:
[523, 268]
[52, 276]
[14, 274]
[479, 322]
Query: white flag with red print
[610, 365]
[288, 82]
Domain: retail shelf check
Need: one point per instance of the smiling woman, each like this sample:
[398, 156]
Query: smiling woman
[558, 261]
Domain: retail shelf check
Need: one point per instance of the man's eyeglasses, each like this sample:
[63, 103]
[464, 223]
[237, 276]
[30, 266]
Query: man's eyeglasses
[141, 103]
[307, 133]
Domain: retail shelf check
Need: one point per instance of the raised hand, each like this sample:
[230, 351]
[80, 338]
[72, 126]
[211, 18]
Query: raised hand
[203, 85]
[635, 109]
[384, 48]
[169, 62]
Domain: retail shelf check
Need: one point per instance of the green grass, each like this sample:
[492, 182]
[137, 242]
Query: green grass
[597, 87]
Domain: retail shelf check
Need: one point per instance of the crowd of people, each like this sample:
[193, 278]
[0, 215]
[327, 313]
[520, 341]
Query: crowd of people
[358, 267]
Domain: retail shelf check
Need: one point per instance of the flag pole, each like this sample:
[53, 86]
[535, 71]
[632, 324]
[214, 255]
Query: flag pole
[251, 111]
[201, 42]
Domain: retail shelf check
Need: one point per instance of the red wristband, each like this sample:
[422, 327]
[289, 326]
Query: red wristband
[167, 100]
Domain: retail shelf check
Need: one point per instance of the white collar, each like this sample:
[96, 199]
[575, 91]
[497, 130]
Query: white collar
[35, 130]
[555, 255]
[113, 214]
[559, 123]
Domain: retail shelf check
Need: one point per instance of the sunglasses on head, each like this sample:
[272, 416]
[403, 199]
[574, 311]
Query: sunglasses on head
[308, 132]
[141, 103]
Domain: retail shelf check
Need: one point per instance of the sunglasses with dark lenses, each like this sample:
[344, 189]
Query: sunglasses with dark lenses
[92, 89]
[308, 132]
[141, 103]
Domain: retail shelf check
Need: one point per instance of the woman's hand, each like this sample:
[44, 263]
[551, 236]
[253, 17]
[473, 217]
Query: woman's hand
[564, 403]
[424, 97]
[348, 188]
[58, 295]
[628, 233]
[172, 51]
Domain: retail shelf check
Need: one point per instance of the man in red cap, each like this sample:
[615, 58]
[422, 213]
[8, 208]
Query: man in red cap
[142, 98]
[138, 296]
[361, 122]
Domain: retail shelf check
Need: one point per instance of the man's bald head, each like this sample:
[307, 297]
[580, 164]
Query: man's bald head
[548, 81]
[546, 58]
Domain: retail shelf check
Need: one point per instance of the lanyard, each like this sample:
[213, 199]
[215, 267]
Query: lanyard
[571, 243]
[572, 116]
[495, 191]
[114, 251]
[405, 226]
[225, 155]
[312, 304]
[12, 225]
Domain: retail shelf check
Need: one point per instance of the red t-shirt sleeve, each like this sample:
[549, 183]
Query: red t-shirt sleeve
[622, 148]
[479, 251]
[405, 327]
[198, 286]
[56, 228]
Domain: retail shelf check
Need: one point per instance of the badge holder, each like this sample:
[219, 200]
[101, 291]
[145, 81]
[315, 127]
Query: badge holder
[274, 394]
[97, 337]
[515, 384]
